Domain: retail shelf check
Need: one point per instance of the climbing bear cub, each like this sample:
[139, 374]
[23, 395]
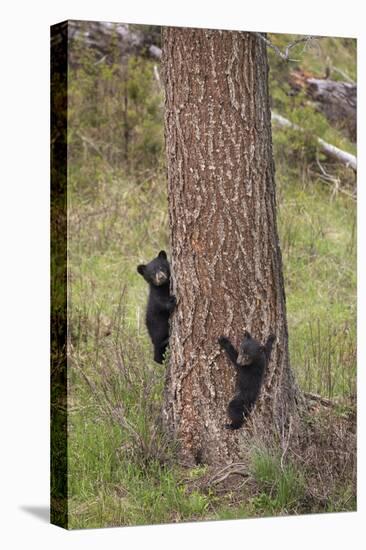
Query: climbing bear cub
[160, 303]
[250, 364]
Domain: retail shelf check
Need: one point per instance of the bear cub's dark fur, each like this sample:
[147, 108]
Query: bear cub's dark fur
[160, 303]
[250, 364]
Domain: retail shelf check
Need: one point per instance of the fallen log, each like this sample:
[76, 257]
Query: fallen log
[328, 149]
[336, 99]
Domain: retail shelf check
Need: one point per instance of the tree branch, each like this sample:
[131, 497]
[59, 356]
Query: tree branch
[327, 148]
[285, 55]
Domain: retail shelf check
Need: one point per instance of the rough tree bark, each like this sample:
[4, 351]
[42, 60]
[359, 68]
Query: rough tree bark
[226, 260]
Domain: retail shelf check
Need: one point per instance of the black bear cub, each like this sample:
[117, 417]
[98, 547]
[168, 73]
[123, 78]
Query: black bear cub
[160, 303]
[250, 364]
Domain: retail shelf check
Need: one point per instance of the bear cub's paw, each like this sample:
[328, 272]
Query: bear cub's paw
[223, 341]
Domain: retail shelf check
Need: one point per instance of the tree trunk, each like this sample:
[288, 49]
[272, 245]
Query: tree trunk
[226, 260]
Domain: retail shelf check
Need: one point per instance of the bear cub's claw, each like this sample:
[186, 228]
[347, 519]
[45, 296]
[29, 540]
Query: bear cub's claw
[222, 341]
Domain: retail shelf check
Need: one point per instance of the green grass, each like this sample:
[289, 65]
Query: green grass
[109, 482]
[121, 468]
[109, 490]
[281, 486]
[318, 240]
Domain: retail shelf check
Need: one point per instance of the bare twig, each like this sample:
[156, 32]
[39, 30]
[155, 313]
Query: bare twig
[93, 146]
[287, 444]
[270, 45]
[101, 60]
[326, 175]
[344, 75]
[294, 43]
[227, 471]
[328, 178]
[333, 180]
[157, 76]
[285, 55]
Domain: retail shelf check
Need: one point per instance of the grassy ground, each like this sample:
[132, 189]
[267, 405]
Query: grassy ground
[318, 242]
[121, 469]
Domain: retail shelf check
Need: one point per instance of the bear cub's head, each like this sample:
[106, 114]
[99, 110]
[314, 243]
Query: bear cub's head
[250, 350]
[156, 272]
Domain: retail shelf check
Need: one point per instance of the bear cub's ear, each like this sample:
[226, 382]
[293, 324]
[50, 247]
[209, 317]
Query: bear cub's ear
[162, 254]
[247, 334]
[141, 269]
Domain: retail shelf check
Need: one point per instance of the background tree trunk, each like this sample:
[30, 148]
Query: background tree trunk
[226, 260]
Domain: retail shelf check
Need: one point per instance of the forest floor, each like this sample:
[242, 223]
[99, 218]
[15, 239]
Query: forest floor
[112, 479]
